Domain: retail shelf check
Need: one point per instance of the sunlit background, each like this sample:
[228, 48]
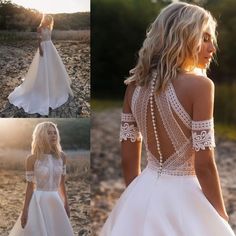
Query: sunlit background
[17, 133]
[58, 6]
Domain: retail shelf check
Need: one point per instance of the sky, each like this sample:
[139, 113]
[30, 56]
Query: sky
[55, 6]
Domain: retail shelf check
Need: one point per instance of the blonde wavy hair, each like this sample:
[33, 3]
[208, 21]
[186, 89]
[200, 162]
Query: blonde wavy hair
[48, 19]
[40, 143]
[175, 35]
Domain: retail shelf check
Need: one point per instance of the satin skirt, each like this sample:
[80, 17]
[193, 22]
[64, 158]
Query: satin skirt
[164, 206]
[45, 85]
[46, 217]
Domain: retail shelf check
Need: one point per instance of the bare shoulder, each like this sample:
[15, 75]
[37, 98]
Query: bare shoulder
[128, 94]
[130, 90]
[30, 161]
[63, 157]
[203, 81]
[131, 87]
[198, 85]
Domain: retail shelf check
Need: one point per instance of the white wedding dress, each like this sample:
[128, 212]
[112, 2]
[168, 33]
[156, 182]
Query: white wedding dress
[46, 215]
[46, 83]
[171, 203]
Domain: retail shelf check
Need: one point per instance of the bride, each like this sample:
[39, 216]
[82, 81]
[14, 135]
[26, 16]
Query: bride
[46, 83]
[45, 211]
[169, 105]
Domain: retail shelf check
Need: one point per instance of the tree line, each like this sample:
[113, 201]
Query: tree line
[17, 133]
[15, 17]
[118, 30]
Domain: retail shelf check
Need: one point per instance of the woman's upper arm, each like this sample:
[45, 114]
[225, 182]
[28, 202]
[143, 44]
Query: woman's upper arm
[203, 104]
[129, 129]
[203, 137]
[29, 174]
[64, 161]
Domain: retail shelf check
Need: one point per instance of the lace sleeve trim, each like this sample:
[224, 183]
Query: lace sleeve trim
[205, 124]
[127, 117]
[131, 132]
[127, 130]
[29, 176]
[64, 170]
[203, 135]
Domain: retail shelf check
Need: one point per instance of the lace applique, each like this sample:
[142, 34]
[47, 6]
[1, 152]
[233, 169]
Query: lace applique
[203, 134]
[29, 176]
[131, 132]
[64, 170]
[127, 130]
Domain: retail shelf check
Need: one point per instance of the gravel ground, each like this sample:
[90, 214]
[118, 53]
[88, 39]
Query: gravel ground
[15, 59]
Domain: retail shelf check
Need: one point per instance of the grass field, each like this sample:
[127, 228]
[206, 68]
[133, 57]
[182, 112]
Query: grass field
[80, 35]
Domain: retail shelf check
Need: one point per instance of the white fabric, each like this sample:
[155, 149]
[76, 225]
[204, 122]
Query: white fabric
[46, 84]
[129, 129]
[203, 134]
[47, 215]
[172, 203]
[165, 206]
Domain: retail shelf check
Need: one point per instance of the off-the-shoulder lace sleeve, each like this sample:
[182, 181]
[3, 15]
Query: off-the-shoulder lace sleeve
[203, 134]
[29, 176]
[129, 129]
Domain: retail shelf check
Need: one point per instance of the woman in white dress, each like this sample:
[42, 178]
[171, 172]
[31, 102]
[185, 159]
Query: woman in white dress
[45, 211]
[46, 83]
[169, 105]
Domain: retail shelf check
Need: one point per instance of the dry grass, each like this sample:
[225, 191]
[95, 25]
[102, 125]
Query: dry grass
[80, 35]
[77, 163]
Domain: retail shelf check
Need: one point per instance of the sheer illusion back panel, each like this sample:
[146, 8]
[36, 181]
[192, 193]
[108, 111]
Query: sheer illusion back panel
[173, 128]
[172, 132]
[166, 146]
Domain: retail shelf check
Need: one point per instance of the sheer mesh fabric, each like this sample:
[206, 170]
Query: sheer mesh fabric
[47, 173]
[175, 131]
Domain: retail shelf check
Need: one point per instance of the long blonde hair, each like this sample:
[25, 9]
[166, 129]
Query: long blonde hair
[49, 19]
[174, 36]
[40, 143]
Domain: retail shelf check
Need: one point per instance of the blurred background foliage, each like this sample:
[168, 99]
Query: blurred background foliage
[17, 133]
[14, 17]
[118, 30]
